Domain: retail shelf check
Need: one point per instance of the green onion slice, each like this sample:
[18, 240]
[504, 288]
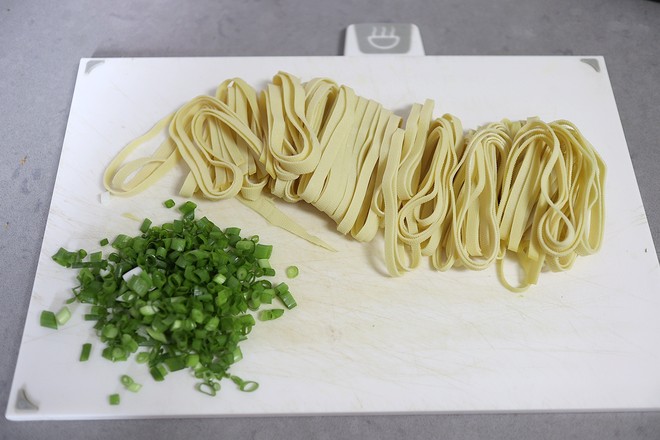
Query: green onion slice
[48, 319]
[291, 272]
[85, 352]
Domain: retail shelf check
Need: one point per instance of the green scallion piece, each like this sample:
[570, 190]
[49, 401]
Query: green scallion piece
[157, 374]
[85, 352]
[206, 388]
[263, 251]
[233, 231]
[104, 242]
[48, 319]
[128, 383]
[246, 246]
[109, 331]
[187, 208]
[169, 203]
[63, 315]
[142, 358]
[113, 399]
[269, 315]
[285, 296]
[121, 241]
[245, 385]
[134, 387]
[65, 258]
[146, 224]
[291, 272]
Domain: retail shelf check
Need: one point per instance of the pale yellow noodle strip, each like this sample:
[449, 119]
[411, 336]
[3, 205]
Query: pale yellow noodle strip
[374, 218]
[291, 143]
[437, 218]
[339, 173]
[197, 158]
[333, 139]
[428, 207]
[368, 221]
[368, 157]
[142, 172]
[474, 231]
[416, 133]
[391, 205]
[269, 211]
[366, 123]
[320, 94]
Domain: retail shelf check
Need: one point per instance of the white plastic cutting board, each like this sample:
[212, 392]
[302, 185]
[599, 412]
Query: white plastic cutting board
[360, 341]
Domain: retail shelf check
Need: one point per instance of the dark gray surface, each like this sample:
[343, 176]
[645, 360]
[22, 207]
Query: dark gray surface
[42, 42]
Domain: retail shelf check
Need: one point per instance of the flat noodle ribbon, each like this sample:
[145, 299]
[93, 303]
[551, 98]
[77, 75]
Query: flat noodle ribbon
[527, 188]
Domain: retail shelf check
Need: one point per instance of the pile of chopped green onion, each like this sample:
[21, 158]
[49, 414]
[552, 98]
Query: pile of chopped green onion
[179, 295]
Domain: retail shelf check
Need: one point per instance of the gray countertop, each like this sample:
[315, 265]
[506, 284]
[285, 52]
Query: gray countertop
[42, 42]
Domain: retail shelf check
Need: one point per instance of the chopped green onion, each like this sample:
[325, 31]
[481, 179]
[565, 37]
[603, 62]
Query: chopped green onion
[285, 296]
[48, 319]
[146, 224]
[148, 310]
[109, 331]
[121, 241]
[269, 315]
[291, 272]
[246, 246]
[129, 383]
[63, 316]
[142, 357]
[188, 209]
[104, 242]
[178, 244]
[65, 258]
[114, 399]
[248, 386]
[180, 292]
[192, 360]
[86, 350]
[262, 251]
[158, 373]
[264, 263]
[206, 388]
[244, 385]
[134, 387]
[169, 203]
